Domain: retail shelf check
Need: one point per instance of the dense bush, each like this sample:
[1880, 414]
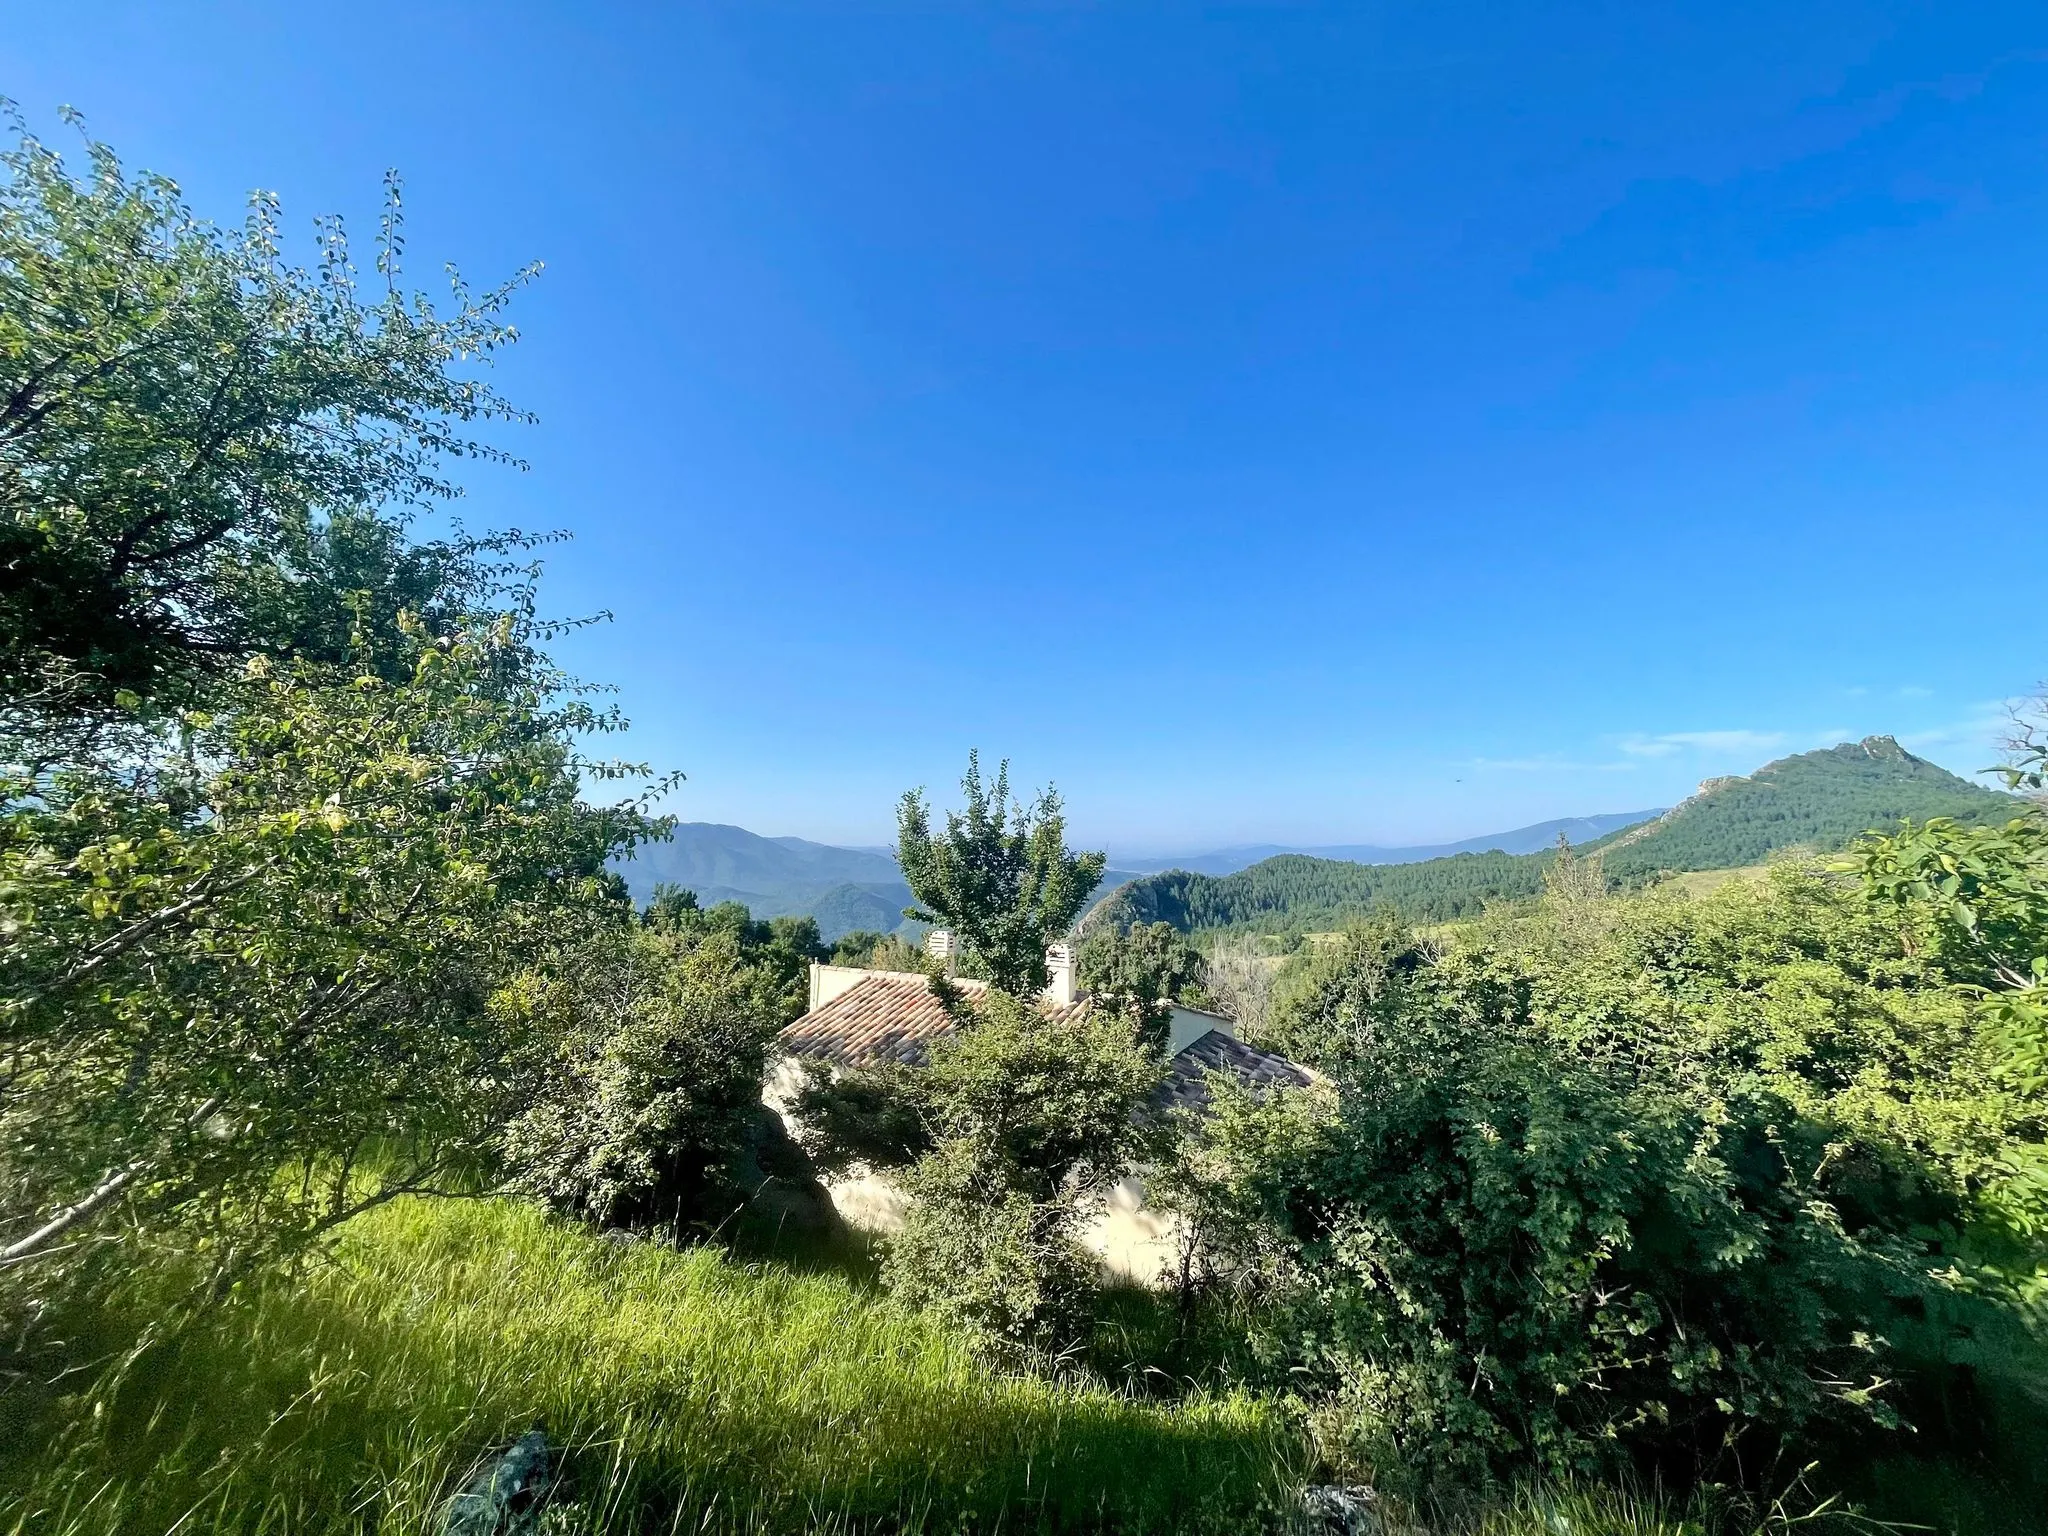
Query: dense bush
[659, 1038]
[1638, 1179]
[1030, 1118]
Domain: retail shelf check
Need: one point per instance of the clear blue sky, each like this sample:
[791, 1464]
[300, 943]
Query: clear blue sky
[1299, 423]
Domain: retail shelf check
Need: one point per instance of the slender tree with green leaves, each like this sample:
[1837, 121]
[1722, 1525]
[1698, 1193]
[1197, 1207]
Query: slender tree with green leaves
[999, 874]
[268, 978]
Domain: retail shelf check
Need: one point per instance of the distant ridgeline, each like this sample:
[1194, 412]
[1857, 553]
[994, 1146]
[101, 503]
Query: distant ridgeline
[844, 888]
[1821, 800]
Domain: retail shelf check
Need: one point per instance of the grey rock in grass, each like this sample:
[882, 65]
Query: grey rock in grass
[505, 1495]
[1342, 1509]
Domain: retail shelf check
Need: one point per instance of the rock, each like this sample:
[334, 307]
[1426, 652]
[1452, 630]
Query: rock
[504, 1496]
[1342, 1509]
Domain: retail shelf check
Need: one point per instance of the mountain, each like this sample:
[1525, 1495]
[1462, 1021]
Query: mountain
[843, 888]
[703, 854]
[1817, 799]
[1530, 839]
[1823, 799]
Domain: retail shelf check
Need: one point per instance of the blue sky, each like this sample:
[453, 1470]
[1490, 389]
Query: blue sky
[1295, 423]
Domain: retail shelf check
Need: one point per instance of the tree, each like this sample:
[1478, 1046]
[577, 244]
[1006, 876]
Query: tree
[877, 951]
[254, 983]
[1144, 972]
[206, 453]
[1000, 875]
[1239, 980]
[2025, 769]
[780, 949]
[291, 805]
[1333, 1003]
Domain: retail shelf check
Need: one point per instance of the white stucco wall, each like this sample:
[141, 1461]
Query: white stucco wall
[1133, 1240]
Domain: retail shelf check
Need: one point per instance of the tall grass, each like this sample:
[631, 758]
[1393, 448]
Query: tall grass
[690, 1392]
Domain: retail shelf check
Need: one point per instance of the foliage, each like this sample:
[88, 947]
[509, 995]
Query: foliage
[685, 1391]
[1049, 1101]
[1817, 799]
[985, 1256]
[1031, 1116]
[1000, 875]
[1986, 889]
[247, 980]
[1647, 1180]
[1979, 895]
[660, 1039]
[290, 800]
[878, 1117]
[873, 951]
[1337, 997]
[199, 443]
[781, 949]
[1143, 971]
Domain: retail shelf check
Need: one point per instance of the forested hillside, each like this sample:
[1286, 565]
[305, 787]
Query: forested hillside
[1820, 799]
[1530, 839]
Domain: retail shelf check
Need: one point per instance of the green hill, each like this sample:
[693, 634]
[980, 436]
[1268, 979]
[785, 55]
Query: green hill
[1817, 799]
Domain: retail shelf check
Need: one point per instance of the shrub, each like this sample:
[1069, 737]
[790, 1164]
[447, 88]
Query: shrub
[663, 1038]
[982, 1255]
[1032, 1117]
[1638, 1179]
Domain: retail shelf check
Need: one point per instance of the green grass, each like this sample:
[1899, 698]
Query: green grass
[692, 1392]
[695, 1392]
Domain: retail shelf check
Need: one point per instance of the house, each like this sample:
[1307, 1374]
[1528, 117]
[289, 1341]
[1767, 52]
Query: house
[861, 1018]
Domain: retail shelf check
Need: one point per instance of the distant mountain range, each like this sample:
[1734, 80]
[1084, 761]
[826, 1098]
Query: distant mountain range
[1819, 800]
[861, 888]
[1530, 839]
[844, 888]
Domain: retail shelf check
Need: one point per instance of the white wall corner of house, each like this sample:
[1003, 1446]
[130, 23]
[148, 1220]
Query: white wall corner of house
[1133, 1239]
[828, 981]
[784, 1082]
[1188, 1025]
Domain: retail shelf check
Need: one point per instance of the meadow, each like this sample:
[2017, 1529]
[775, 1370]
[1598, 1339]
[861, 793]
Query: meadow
[689, 1390]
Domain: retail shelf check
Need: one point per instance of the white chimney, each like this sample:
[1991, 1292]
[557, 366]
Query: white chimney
[941, 945]
[1059, 960]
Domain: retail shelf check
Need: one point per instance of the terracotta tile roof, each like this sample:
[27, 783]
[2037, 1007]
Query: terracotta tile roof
[885, 1016]
[1187, 1079]
[892, 1016]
